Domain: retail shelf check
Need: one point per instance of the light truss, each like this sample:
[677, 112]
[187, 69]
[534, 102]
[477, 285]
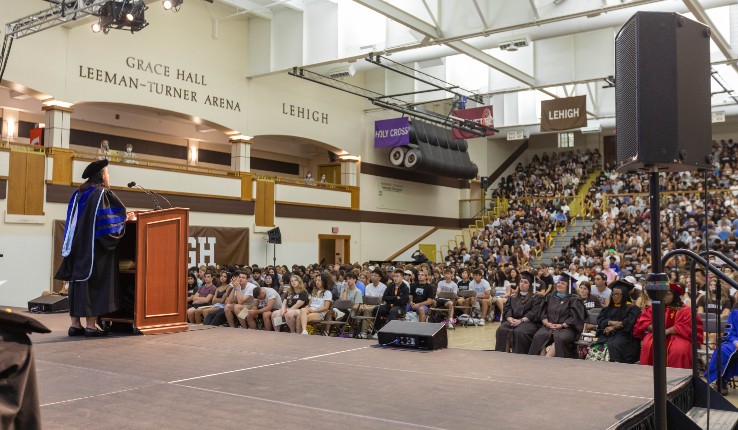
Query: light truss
[425, 78]
[60, 12]
[392, 103]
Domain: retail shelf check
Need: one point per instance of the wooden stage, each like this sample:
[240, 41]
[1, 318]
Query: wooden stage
[235, 379]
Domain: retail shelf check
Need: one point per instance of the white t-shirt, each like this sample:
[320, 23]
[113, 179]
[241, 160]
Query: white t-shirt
[372, 291]
[601, 296]
[271, 293]
[444, 287]
[248, 290]
[318, 302]
[480, 288]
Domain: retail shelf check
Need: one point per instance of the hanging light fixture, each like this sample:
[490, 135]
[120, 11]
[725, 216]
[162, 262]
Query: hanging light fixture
[172, 4]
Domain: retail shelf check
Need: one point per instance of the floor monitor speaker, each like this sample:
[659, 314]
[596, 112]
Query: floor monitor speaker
[49, 304]
[662, 93]
[414, 335]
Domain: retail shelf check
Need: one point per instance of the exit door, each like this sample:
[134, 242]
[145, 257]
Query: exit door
[334, 248]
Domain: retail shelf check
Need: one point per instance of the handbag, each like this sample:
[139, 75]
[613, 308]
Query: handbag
[598, 352]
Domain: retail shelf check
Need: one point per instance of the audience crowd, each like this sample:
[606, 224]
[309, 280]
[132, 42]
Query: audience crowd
[593, 287]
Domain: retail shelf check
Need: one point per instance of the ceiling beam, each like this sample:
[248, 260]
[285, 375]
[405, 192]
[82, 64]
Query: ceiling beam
[699, 12]
[396, 14]
[534, 9]
[248, 7]
[481, 14]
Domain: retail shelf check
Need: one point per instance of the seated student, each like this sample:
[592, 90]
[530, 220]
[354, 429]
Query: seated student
[191, 288]
[352, 292]
[710, 298]
[615, 325]
[244, 298]
[296, 297]
[678, 325]
[503, 291]
[447, 285]
[266, 300]
[394, 300]
[320, 302]
[519, 318]
[562, 316]
[584, 289]
[421, 295]
[728, 360]
[484, 292]
[202, 297]
[218, 303]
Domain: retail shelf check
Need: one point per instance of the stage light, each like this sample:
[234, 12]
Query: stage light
[172, 4]
[121, 15]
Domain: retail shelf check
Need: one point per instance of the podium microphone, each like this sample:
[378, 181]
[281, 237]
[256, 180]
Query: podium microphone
[157, 206]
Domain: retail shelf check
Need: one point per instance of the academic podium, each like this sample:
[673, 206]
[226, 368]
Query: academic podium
[153, 273]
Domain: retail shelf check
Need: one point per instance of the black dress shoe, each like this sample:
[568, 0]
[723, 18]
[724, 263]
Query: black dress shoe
[95, 333]
[76, 331]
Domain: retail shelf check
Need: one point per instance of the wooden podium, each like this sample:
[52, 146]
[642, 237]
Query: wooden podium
[153, 293]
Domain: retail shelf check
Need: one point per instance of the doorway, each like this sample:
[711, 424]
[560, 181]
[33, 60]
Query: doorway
[334, 248]
[332, 173]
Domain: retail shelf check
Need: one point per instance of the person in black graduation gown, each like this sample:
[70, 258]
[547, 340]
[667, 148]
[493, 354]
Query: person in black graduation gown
[519, 318]
[562, 316]
[615, 325]
[95, 223]
[19, 401]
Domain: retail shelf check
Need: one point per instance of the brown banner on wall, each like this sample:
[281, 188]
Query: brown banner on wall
[206, 245]
[564, 114]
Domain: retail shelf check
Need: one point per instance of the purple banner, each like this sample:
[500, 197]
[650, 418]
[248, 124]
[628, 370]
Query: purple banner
[391, 132]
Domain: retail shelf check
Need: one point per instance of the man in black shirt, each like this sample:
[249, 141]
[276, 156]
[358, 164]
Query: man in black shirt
[394, 300]
[421, 295]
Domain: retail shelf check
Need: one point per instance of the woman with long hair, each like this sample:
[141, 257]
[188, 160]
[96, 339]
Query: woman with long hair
[615, 325]
[295, 298]
[678, 324]
[320, 301]
[223, 290]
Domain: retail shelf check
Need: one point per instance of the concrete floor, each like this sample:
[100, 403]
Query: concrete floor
[246, 379]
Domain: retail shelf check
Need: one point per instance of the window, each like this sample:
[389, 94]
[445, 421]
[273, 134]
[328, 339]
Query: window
[566, 140]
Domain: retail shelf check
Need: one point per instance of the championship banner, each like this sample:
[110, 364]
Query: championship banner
[481, 115]
[206, 245]
[391, 132]
[564, 114]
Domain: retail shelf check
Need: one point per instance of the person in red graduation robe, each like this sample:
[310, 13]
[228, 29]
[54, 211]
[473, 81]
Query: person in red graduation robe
[678, 322]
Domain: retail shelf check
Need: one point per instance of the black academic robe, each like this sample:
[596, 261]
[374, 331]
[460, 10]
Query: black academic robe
[559, 310]
[623, 347]
[19, 399]
[95, 223]
[518, 338]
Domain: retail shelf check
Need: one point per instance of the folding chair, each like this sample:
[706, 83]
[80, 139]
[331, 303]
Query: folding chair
[443, 311]
[466, 309]
[320, 325]
[362, 318]
[587, 339]
[344, 306]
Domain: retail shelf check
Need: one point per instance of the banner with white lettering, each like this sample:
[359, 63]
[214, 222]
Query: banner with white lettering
[564, 113]
[205, 245]
[481, 115]
[391, 132]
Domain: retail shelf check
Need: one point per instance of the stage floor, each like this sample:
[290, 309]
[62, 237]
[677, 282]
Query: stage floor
[235, 379]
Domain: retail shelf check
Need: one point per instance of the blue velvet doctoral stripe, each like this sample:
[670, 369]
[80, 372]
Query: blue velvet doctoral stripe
[103, 222]
[109, 230]
[109, 211]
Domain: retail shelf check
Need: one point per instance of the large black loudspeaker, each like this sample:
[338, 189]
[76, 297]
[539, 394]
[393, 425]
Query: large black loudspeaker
[414, 335]
[49, 304]
[662, 93]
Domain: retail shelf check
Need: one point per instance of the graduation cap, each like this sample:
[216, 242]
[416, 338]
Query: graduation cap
[527, 276]
[15, 322]
[93, 168]
[625, 285]
[569, 278]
